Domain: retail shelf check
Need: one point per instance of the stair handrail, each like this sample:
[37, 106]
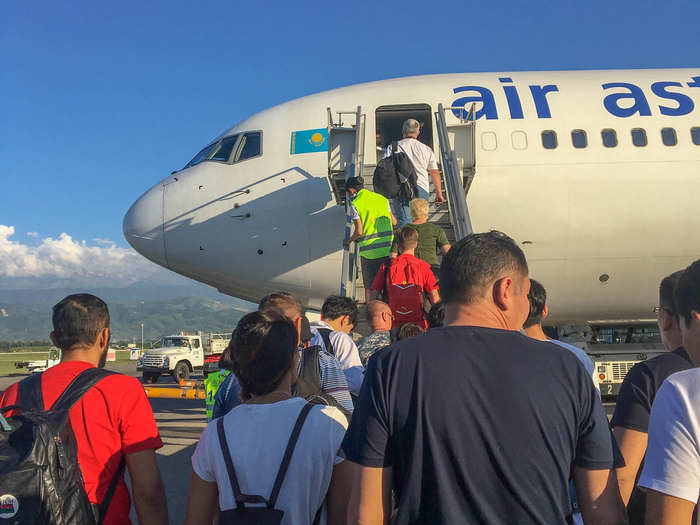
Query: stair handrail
[454, 182]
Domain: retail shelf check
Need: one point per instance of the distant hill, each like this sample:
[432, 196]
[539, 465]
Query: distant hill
[25, 315]
[140, 292]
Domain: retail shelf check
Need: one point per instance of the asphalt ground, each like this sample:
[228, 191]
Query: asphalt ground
[180, 422]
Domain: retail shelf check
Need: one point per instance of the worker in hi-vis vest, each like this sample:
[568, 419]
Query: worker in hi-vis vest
[374, 223]
[211, 386]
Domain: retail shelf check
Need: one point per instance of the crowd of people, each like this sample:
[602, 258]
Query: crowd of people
[478, 417]
[456, 408]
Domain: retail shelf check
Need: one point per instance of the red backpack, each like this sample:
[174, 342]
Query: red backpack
[404, 296]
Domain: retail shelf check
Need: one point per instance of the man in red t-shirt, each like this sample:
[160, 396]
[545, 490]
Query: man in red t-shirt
[113, 420]
[409, 278]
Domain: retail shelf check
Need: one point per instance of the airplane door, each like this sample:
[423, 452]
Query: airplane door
[458, 154]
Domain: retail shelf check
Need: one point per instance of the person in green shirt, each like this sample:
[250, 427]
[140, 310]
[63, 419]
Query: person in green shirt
[431, 238]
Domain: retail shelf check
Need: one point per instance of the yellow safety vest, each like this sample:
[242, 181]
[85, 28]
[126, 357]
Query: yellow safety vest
[211, 387]
[377, 230]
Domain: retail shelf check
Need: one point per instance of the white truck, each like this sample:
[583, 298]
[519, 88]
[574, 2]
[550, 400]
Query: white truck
[41, 365]
[180, 355]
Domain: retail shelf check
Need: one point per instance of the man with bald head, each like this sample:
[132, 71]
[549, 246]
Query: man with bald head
[380, 319]
[468, 423]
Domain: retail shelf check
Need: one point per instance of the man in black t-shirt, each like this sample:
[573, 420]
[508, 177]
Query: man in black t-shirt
[474, 422]
[637, 393]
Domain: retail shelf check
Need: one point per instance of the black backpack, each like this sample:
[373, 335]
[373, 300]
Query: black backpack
[395, 176]
[40, 479]
[267, 515]
[325, 334]
[308, 385]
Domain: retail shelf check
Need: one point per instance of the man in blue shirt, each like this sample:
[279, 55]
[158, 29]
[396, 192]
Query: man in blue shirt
[468, 424]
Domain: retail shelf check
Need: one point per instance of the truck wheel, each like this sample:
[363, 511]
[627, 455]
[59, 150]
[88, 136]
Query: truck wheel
[150, 377]
[181, 372]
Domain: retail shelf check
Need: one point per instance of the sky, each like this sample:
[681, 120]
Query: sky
[101, 100]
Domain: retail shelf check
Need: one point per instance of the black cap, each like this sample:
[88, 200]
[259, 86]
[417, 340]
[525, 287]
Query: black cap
[355, 183]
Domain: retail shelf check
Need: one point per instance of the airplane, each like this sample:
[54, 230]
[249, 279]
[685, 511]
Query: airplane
[596, 175]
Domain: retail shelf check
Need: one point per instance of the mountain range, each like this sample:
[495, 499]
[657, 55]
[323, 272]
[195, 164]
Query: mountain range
[25, 315]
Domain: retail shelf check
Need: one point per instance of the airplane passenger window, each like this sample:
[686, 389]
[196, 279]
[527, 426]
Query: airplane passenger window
[668, 137]
[519, 140]
[609, 138]
[695, 135]
[250, 146]
[223, 150]
[489, 141]
[639, 137]
[579, 138]
[549, 139]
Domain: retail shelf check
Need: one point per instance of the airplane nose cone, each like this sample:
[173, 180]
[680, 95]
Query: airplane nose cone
[143, 226]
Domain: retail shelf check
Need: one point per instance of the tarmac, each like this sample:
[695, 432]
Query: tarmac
[180, 422]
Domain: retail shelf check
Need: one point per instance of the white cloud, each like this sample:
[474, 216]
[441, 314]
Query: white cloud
[106, 242]
[65, 261]
[32, 234]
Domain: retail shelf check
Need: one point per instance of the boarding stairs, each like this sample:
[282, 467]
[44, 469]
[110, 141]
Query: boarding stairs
[346, 155]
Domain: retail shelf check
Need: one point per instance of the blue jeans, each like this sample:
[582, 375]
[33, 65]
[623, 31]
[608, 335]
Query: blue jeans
[401, 210]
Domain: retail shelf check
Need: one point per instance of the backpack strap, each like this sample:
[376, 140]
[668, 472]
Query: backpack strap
[387, 284]
[79, 387]
[288, 454]
[30, 395]
[239, 497]
[102, 508]
[325, 334]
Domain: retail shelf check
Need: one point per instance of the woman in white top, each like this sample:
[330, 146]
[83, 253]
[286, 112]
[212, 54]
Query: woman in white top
[258, 432]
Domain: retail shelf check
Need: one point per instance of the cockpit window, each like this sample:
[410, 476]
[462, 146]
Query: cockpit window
[220, 150]
[202, 155]
[249, 147]
[223, 150]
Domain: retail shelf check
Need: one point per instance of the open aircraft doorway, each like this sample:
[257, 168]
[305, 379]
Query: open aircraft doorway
[389, 120]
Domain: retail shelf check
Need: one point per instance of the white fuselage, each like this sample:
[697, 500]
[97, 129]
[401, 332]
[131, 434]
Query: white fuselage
[626, 212]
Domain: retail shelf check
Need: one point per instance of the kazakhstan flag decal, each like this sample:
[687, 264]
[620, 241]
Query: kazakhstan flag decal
[309, 141]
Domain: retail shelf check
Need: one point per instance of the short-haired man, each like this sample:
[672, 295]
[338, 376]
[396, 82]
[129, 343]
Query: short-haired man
[380, 320]
[338, 318]
[431, 238]
[537, 296]
[423, 160]
[373, 224]
[671, 472]
[468, 424]
[332, 378]
[112, 422]
[633, 408]
[406, 301]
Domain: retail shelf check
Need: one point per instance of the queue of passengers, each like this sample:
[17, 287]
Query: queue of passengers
[481, 419]
[457, 408]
